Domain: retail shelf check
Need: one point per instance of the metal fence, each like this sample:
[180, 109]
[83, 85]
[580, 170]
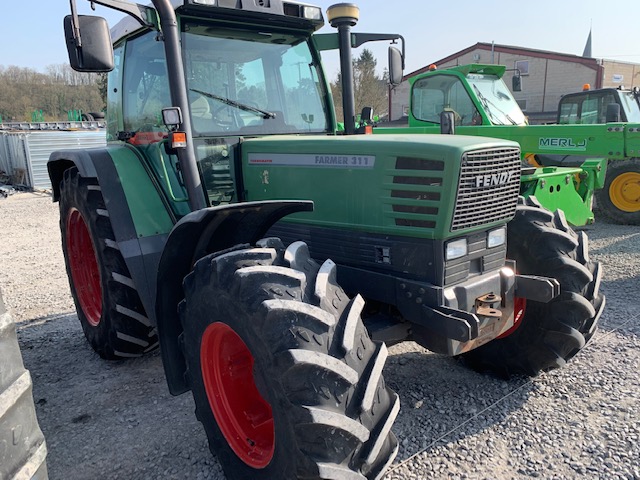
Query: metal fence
[28, 152]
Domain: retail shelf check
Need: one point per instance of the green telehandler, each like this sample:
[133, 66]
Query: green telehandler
[573, 157]
[619, 199]
[206, 224]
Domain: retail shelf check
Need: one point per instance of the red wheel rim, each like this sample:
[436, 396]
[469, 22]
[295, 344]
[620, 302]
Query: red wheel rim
[244, 417]
[84, 267]
[519, 308]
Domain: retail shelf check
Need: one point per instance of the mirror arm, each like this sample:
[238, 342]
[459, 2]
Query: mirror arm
[139, 12]
[517, 70]
[358, 39]
[75, 23]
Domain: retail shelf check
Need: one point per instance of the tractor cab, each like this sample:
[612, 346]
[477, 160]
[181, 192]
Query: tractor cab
[240, 83]
[602, 105]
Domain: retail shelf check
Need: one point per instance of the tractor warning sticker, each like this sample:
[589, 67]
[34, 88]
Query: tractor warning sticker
[313, 160]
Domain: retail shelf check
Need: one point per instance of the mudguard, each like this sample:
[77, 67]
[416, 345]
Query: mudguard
[157, 255]
[139, 216]
[193, 237]
[61, 160]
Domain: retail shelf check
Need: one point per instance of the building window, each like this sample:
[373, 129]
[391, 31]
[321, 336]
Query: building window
[523, 66]
[522, 104]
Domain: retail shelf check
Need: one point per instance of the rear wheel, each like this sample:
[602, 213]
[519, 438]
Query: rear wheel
[619, 200]
[286, 381]
[548, 334]
[108, 305]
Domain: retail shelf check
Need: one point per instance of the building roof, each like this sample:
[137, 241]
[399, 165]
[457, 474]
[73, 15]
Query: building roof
[529, 52]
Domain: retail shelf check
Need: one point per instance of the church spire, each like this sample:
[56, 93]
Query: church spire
[587, 47]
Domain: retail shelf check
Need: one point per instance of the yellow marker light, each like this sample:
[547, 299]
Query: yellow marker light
[178, 139]
[586, 87]
[343, 11]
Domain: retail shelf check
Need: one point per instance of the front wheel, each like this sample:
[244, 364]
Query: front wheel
[286, 381]
[547, 335]
[107, 302]
[619, 200]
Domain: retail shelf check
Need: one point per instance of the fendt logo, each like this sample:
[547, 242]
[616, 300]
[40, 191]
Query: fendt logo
[494, 179]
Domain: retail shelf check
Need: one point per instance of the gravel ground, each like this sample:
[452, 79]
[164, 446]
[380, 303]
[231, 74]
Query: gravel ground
[116, 420]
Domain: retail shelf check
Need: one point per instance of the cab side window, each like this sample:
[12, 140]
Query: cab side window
[464, 110]
[434, 95]
[145, 85]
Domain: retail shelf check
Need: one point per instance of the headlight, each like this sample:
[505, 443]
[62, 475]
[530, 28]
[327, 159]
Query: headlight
[312, 13]
[456, 249]
[497, 237]
[172, 117]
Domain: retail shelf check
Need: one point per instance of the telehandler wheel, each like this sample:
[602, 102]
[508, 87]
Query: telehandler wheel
[619, 200]
[286, 381]
[547, 335]
[108, 305]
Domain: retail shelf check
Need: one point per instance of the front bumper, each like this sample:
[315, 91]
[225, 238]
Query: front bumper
[480, 309]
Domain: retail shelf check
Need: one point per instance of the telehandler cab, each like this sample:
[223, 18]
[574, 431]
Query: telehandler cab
[221, 129]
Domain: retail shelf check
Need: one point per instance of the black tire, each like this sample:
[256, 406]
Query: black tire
[622, 191]
[548, 335]
[24, 450]
[314, 364]
[107, 302]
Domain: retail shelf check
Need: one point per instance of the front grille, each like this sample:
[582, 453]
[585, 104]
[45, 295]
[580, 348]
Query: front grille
[488, 187]
[417, 187]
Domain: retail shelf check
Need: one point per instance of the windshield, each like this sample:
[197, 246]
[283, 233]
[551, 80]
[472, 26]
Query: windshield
[243, 82]
[495, 97]
[630, 106]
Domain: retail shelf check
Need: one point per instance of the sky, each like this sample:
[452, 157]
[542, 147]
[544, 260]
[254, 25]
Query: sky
[32, 32]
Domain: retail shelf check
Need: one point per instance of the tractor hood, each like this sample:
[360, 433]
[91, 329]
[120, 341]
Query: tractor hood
[395, 184]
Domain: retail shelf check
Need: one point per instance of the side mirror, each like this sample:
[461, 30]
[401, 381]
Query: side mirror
[516, 83]
[395, 66]
[613, 113]
[366, 117]
[447, 123]
[89, 46]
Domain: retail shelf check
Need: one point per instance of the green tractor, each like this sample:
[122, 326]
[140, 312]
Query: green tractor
[619, 200]
[206, 225]
[572, 159]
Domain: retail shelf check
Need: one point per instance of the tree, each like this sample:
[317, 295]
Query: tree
[60, 89]
[103, 86]
[370, 89]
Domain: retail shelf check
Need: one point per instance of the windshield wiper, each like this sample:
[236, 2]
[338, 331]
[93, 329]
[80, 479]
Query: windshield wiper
[486, 102]
[247, 108]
